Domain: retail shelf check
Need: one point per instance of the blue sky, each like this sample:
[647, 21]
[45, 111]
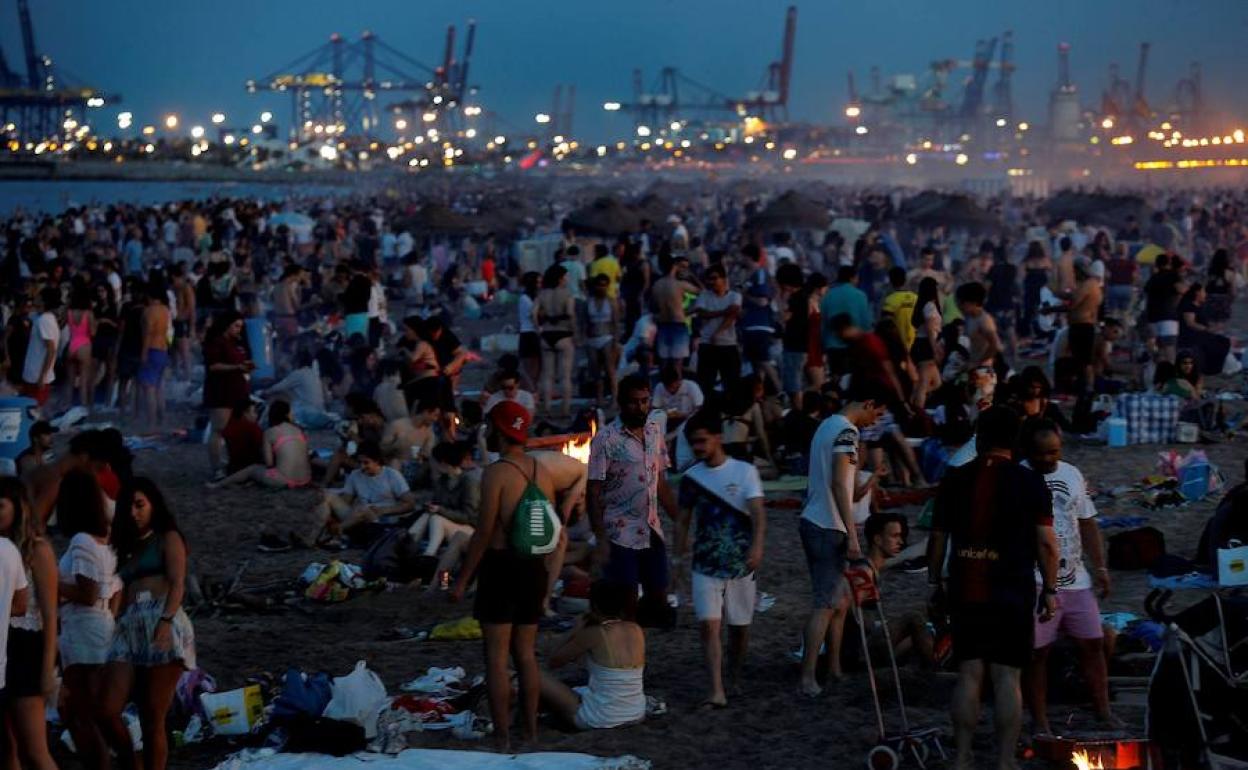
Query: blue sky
[193, 57]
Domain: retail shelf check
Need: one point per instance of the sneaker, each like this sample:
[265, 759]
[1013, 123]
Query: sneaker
[915, 566]
[270, 543]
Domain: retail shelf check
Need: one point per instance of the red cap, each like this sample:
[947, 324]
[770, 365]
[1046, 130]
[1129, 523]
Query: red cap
[512, 420]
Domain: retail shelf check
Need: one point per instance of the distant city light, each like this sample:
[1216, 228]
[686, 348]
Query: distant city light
[472, 111]
[1107, 123]
[611, 106]
[500, 139]
[228, 139]
[149, 130]
[257, 128]
[790, 154]
[1023, 126]
[541, 117]
[470, 133]
[429, 117]
[861, 130]
[853, 111]
[912, 159]
[400, 124]
[218, 118]
[643, 131]
[675, 125]
[266, 116]
[95, 101]
[329, 152]
[602, 150]
[124, 119]
[197, 132]
[171, 122]
[961, 159]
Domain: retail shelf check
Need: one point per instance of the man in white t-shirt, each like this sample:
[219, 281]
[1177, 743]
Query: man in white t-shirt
[678, 397]
[372, 490]
[719, 353]
[575, 266]
[828, 537]
[509, 390]
[723, 500]
[14, 595]
[1078, 616]
[38, 372]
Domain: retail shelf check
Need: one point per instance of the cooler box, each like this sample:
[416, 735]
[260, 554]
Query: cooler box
[260, 343]
[15, 422]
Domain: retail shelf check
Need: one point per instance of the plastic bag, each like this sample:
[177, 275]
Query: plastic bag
[357, 698]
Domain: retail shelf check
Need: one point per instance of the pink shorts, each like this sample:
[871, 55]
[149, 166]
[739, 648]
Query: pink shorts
[1078, 617]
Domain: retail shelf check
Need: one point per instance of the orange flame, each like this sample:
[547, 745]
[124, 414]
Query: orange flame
[1082, 761]
[579, 447]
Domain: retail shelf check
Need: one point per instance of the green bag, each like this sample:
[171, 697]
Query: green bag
[535, 525]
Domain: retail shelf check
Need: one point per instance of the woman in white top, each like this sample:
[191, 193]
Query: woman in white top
[90, 589]
[602, 333]
[530, 350]
[30, 670]
[615, 654]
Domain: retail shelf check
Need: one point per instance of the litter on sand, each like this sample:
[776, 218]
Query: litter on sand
[432, 759]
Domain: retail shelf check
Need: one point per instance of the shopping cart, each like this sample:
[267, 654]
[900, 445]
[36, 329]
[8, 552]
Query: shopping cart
[889, 749]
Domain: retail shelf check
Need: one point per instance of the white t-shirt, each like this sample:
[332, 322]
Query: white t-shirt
[383, 489]
[687, 399]
[735, 481]
[836, 435]
[1071, 504]
[12, 579]
[524, 313]
[523, 397]
[576, 277]
[714, 331]
[44, 330]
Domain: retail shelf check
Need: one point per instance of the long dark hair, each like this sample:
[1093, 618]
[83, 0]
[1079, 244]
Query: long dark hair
[80, 505]
[1219, 263]
[24, 532]
[126, 533]
[929, 291]
[220, 322]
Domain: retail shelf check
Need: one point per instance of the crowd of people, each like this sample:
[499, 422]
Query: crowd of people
[724, 355]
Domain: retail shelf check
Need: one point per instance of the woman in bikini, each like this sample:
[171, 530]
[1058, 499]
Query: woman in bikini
[555, 316]
[614, 649]
[78, 358]
[285, 455]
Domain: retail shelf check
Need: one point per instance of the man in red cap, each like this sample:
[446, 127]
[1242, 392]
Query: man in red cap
[517, 529]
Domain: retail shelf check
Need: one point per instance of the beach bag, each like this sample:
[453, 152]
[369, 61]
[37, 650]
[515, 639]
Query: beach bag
[1233, 565]
[1136, 549]
[395, 556]
[357, 698]
[302, 694]
[334, 737]
[535, 526]
[233, 712]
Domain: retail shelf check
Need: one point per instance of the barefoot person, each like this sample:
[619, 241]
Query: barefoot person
[285, 448]
[614, 650]
[1078, 616]
[995, 520]
[516, 502]
[668, 295]
[154, 355]
[372, 490]
[724, 499]
[826, 527]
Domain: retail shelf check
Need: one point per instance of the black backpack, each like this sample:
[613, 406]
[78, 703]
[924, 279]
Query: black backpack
[1136, 548]
[395, 556]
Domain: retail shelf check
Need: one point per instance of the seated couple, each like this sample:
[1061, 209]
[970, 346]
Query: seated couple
[450, 517]
[283, 449]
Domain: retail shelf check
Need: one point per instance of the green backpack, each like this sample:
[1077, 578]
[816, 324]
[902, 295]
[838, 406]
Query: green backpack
[535, 525]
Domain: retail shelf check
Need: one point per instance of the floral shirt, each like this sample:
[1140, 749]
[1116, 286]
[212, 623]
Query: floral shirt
[629, 469]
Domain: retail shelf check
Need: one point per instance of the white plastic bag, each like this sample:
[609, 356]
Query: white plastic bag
[358, 697]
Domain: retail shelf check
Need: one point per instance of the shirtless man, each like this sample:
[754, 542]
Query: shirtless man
[668, 294]
[982, 330]
[927, 269]
[1066, 267]
[1085, 307]
[183, 323]
[511, 586]
[286, 296]
[408, 443]
[154, 355]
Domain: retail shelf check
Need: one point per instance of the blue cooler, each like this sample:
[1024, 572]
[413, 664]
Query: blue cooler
[260, 343]
[15, 422]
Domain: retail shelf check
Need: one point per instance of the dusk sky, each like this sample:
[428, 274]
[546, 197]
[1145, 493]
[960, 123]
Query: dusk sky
[193, 58]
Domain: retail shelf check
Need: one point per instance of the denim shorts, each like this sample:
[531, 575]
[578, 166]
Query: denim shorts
[792, 367]
[825, 556]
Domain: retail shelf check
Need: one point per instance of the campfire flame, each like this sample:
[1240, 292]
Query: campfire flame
[579, 447]
[1082, 761]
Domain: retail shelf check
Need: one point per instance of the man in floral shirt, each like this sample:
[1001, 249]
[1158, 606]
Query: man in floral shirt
[627, 482]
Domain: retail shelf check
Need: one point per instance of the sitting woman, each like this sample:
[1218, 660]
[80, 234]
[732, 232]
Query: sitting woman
[243, 437]
[744, 425]
[285, 448]
[1195, 333]
[614, 649]
[1183, 379]
[1031, 391]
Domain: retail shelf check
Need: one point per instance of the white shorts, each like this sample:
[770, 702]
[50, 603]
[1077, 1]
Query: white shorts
[730, 599]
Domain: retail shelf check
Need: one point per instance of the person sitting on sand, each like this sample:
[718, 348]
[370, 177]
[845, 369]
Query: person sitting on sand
[407, 444]
[365, 423]
[886, 534]
[614, 650]
[372, 490]
[451, 516]
[389, 392]
[243, 437]
[285, 448]
[305, 391]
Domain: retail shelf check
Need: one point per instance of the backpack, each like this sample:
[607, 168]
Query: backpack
[394, 556]
[535, 525]
[1136, 548]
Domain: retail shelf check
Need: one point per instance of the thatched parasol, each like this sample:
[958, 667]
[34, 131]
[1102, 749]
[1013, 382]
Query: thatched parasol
[605, 216]
[1095, 208]
[931, 209]
[437, 218]
[791, 211]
